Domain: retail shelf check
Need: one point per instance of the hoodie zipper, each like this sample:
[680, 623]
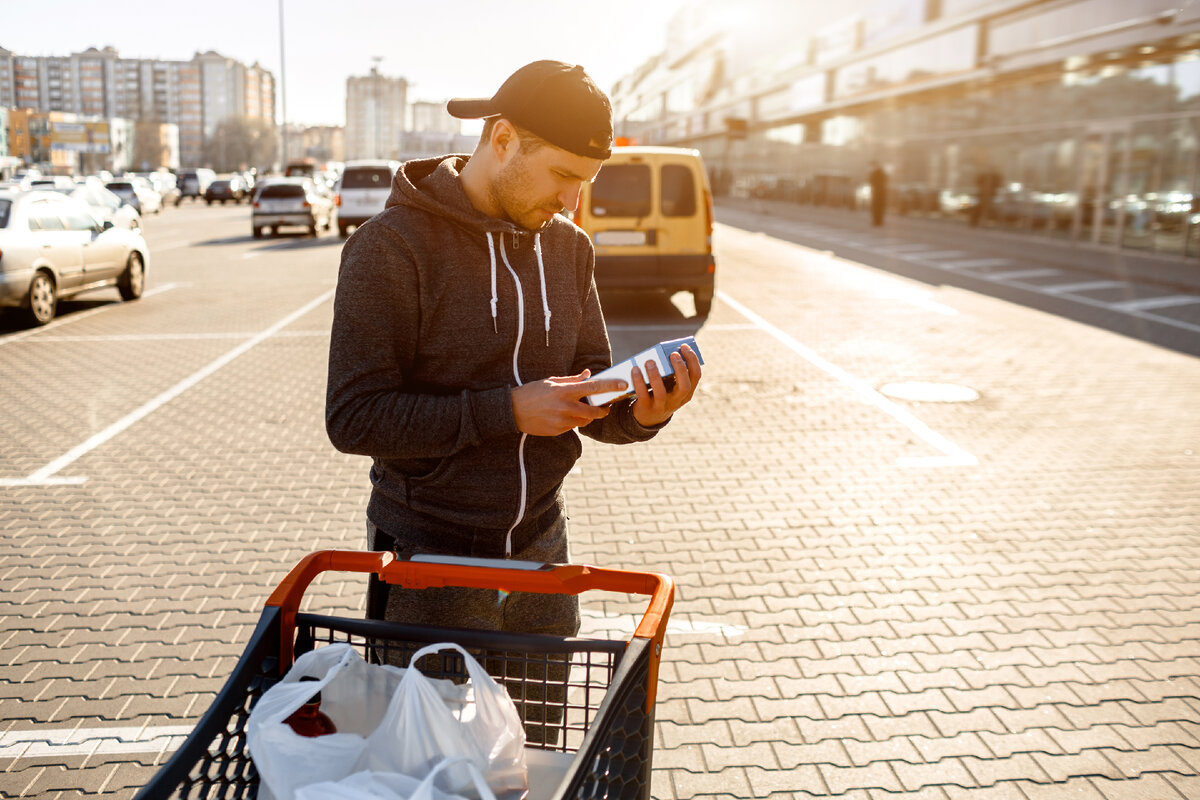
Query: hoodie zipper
[508, 543]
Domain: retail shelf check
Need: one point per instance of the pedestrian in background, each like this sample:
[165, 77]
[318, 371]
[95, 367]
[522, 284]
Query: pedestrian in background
[466, 328]
[879, 188]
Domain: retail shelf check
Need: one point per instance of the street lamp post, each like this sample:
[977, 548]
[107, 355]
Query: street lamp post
[378, 102]
[282, 91]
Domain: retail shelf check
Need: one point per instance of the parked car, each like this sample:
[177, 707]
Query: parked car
[290, 201]
[149, 197]
[649, 214]
[106, 206]
[225, 189]
[125, 190]
[52, 247]
[51, 183]
[362, 192]
[164, 183]
[194, 183]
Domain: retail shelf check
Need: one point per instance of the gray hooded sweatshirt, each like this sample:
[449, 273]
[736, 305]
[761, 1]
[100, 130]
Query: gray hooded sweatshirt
[440, 312]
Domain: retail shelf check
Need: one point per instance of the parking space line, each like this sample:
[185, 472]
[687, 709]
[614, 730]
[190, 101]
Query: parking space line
[933, 254]
[91, 312]
[972, 263]
[1151, 303]
[1084, 286]
[172, 337]
[47, 473]
[951, 454]
[904, 247]
[43, 742]
[1022, 274]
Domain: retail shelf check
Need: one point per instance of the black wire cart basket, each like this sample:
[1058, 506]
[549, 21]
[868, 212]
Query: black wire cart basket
[589, 699]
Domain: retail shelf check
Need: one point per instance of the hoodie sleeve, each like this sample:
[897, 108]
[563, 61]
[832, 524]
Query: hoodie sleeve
[594, 352]
[372, 344]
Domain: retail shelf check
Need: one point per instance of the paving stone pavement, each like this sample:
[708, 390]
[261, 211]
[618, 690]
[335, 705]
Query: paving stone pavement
[848, 623]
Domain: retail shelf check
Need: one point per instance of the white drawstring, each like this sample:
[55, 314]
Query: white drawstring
[537, 248]
[492, 254]
[524, 498]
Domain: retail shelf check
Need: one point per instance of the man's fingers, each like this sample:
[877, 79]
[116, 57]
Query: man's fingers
[602, 385]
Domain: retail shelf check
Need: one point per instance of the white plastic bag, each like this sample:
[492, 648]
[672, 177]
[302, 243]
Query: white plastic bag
[421, 728]
[389, 720]
[392, 786]
[286, 760]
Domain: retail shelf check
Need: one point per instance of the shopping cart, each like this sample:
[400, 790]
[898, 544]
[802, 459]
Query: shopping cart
[599, 712]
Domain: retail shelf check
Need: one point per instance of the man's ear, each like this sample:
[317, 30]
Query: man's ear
[505, 141]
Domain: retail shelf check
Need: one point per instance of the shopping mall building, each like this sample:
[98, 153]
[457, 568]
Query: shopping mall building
[1077, 119]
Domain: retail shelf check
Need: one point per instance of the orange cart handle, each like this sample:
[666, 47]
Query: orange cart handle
[424, 572]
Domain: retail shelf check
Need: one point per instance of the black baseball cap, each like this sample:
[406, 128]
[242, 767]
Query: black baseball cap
[557, 101]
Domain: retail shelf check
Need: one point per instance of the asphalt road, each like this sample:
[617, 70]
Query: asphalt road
[928, 543]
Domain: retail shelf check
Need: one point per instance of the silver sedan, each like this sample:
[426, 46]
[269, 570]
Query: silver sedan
[51, 247]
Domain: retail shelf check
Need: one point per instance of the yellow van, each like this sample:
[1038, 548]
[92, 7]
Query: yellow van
[649, 214]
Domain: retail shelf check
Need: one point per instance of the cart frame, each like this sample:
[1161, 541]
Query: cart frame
[613, 757]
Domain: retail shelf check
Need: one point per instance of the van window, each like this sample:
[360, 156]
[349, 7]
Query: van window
[678, 191]
[369, 178]
[5, 207]
[622, 190]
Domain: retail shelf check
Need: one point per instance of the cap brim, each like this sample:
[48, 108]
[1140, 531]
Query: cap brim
[472, 108]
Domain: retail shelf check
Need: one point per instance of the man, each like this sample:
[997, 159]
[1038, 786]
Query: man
[466, 328]
[879, 181]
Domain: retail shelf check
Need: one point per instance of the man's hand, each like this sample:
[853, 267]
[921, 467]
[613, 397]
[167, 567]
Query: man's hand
[555, 405]
[654, 404]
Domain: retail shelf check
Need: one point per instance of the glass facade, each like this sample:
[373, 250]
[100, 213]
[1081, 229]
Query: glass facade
[1079, 121]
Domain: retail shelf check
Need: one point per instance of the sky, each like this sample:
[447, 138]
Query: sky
[460, 48]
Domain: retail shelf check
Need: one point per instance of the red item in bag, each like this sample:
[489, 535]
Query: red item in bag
[309, 719]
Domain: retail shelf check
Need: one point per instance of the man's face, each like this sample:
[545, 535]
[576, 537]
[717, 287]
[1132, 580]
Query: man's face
[536, 183]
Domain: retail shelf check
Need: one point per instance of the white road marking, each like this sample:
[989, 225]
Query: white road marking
[596, 622]
[971, 263]
[1022, 274]
[172, 337]
[1084, 286]
[680, 326]
[935, 254]
[1136, 312]
[922, 249]
[61, 321]
[43, 742]
[41, 476]
[951, 454]
[1149, 303]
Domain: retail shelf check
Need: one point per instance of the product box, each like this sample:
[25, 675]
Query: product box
[659, 353]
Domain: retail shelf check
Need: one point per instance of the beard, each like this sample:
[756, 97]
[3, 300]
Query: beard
[513, 196]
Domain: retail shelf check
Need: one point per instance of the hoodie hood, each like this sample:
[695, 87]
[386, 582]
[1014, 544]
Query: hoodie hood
[435, 185]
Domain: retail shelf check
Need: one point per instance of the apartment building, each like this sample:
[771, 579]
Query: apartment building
[1074, 119]
[376, 115]
[192, 95]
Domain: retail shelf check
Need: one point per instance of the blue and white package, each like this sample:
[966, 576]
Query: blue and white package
[659, 354]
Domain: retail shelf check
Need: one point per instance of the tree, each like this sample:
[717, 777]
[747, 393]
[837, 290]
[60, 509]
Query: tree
[147, 145]
[240, 143]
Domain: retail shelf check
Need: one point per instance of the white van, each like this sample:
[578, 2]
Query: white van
[362, 191]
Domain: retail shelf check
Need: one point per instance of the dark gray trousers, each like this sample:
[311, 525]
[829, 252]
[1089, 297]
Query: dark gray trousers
[539, 690]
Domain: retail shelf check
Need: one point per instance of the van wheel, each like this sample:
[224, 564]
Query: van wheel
[42, 300]
[343, 230]
[133, 280]
[703, 299]
[257, 232]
